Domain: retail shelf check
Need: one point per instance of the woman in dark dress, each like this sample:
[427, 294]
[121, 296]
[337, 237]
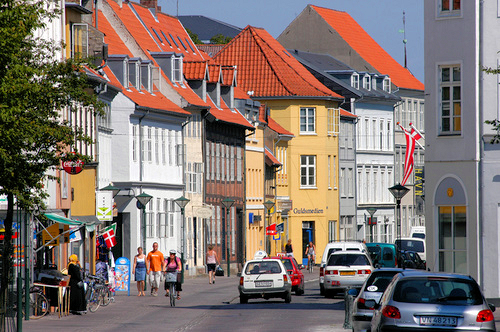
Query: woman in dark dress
[77, 303]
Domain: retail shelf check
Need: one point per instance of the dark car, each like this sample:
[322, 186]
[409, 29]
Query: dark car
[294, 270]
[411, 260]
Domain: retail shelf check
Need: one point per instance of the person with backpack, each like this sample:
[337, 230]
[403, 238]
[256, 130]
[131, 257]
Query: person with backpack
[172, 264]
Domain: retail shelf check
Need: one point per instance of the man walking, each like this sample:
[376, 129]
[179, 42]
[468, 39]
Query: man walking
[155, 264]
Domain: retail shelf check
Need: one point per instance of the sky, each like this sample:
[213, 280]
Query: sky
[381, 19]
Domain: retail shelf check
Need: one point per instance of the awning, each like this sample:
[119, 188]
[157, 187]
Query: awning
[88, 221]
[271, 160]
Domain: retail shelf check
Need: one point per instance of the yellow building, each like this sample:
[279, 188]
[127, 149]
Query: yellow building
[306, 202]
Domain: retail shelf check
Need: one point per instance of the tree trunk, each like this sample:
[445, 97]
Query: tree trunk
[6, 261]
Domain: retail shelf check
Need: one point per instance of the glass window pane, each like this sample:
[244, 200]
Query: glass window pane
[445, 227]
[456, 74]
[457, 124]
[460, 262]
[456, 4]
[445, 74]
[445, 261]
[456, 93]
[445, 5]
[460, 228]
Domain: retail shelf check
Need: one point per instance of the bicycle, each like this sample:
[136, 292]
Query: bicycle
[171, 279]
[310, 264]
[39, 304]
[94, 293]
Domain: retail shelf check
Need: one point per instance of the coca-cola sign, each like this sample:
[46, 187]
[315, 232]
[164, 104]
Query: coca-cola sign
[73, 166]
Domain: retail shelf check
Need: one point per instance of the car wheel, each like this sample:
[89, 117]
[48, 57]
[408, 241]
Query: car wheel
[243, 299]
[299, 291]
[321, 290]
[288, 297]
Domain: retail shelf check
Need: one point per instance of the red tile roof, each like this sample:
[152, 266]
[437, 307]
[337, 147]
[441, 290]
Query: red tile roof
[228, 75]
[368, 48]
[265, 67]
[224, 113]
[343, 112]
[278, 128]
[214, 73]
[195, 70]
[271, 160]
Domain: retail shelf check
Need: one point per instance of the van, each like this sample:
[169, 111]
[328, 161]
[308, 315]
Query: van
[383, 254]
[418, 232]
[412, 244]
[333, 247]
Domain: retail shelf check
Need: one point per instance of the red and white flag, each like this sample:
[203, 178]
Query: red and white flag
[109, 236]
[411, 139]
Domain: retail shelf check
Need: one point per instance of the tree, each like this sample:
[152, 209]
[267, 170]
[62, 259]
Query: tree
[220, 39]
[194, 37]
[34, 87]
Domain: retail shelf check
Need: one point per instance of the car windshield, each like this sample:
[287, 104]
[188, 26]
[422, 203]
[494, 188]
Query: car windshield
[265, 267]
[378, 282]
[413, 245]
[287, 263]
[348, 260]
[438, 290]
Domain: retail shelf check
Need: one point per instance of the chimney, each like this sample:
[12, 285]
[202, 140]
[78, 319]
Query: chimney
[153, 4]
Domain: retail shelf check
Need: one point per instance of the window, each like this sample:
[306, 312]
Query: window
[150, 219]
[177, 69]
[157, 146]
[367, 82]
[355, 81]
[307, 120]
[134, 142]
[350, 182]
[452, 239]
[163, 220]
[79, 40]
[163, 147]
[333, 121]
[307, 171]
[147, 145]
[329, 172]
[449, 7]
[332, 230]
[343, 179]
[450, 100]
[386, 85]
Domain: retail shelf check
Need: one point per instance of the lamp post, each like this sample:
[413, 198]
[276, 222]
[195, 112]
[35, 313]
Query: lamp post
[182, 202]
[227, 202]
[112, 188]
[143, 200]
[269, 205]
[371, 211]
[398, 191]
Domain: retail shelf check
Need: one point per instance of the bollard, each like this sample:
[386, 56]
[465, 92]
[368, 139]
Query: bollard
[348, 301]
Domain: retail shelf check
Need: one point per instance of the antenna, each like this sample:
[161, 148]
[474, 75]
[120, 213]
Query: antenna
[404, 36]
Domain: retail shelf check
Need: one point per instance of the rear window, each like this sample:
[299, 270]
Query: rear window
[287, 263]
[266, 267]
[378, 282]
[438, 290]
[412, 245]
[348, 260]
[419, 235]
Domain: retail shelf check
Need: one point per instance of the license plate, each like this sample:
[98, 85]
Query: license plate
[263, 284]
[438, 320]
[347, 273]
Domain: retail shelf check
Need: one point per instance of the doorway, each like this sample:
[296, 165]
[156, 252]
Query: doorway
[307, 236]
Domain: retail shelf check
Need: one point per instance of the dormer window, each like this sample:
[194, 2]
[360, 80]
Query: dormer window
[125, 74]
[387, 85]
[176, 69]
[355, 81]
[134, 73]
[367, 82]
[146, 76]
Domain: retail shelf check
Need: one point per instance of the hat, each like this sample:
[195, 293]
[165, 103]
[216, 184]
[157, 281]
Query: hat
[173, 251]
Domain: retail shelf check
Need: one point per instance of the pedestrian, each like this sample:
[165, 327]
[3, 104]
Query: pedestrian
[139, 270]
[212, 262]
[77, 303]
[289, 248]
[155, 264]
[173, 264]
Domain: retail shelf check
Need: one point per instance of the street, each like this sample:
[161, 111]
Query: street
[205, 307]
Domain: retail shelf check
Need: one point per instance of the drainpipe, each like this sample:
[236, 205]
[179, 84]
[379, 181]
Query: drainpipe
[480, 269]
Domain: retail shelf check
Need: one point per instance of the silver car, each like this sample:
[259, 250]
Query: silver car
[372, 289]
[426, 301]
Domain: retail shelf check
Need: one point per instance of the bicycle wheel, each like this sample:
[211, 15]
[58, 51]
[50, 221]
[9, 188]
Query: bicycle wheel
[95, 300]
[106, 296]
[39, 305]
[173, 294]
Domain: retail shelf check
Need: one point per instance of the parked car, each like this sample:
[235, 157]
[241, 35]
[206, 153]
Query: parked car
[346, 269]
[412, 260]
[372, 289]
[418, 231]
[412, 244]
[333, 247]
[382, 254]
[265, 278]
[425, 301]
[295, 273]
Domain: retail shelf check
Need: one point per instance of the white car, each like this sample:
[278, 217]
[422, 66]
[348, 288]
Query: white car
[346, 269]
[265, 278]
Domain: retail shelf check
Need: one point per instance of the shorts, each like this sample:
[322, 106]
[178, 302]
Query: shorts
[211, 267]
[155, 279]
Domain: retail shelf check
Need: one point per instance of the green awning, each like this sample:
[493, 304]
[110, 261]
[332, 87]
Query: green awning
[62, 220]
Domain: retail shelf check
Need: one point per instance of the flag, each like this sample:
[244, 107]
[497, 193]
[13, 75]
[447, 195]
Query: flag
[411, 138]
[109, 236]
[271, 230]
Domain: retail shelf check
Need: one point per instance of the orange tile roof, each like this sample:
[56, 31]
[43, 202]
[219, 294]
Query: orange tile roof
[224, 113]
[214, 72]
[115, 43]
[265, 67]
[228, 75]
[278, 128]
[343, 112]
[368, 48]
[239, 93]
[195, 70]
[271, 160]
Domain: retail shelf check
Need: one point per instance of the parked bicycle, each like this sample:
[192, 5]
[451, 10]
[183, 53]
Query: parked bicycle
[97, 293]
[39, 304]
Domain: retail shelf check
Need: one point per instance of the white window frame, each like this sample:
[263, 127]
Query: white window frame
[355, 81]
[307, 120]
[450, 85]
[367, 82]
[307, 171]
[177, 69]
[450, 12]
[386, 84]
[333, 122]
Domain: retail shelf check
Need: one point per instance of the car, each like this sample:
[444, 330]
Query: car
[412, 244]
[412, 260]
[333, 247]
[432, 301]
[295, 273]
[265, 278]
[383, 254]
[346, 269]
[372, 289]
[418, 231]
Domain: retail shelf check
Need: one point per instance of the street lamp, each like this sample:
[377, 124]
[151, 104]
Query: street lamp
[227, 202]
[269, 205]
[398, 191]
[143, 200]
[371, 211]
[182, 202]
[112, 188]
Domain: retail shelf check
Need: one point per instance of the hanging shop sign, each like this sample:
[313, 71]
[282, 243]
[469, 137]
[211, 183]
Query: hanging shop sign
[122, 275]
[73, 167]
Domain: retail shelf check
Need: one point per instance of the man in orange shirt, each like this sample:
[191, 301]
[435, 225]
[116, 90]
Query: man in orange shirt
[155, 264]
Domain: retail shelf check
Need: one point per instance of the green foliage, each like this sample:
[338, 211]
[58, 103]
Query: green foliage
[220, 39]
[194, 37]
